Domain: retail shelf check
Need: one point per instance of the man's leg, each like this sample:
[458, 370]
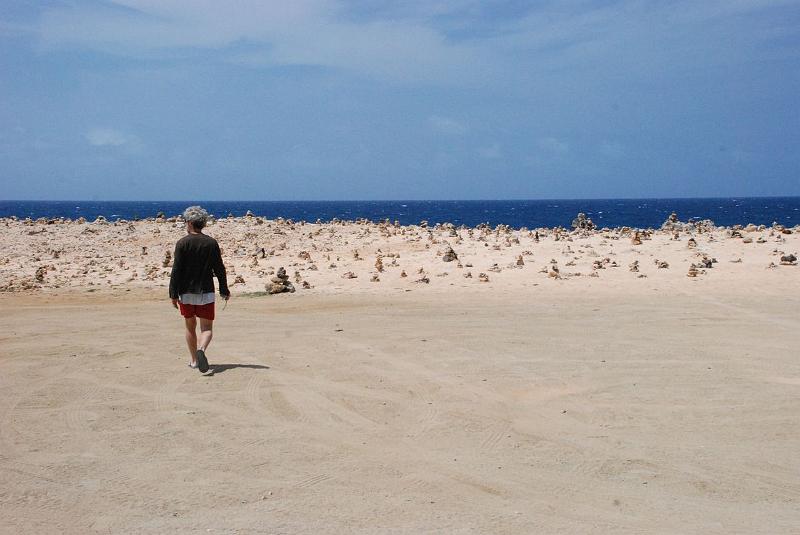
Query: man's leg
[191, 337]
[206, 333]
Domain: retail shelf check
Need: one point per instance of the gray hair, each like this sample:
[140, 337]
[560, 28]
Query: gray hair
[196, 215]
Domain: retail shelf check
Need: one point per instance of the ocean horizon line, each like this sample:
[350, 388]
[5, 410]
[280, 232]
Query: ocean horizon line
[643, 213]
[570, 199]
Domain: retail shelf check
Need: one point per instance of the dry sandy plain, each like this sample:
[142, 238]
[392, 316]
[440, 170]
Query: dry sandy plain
[613, 403]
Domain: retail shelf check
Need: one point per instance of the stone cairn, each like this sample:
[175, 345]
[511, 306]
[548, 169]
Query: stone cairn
[449, 255]
[280, 283]
[674, 225]
[582, 222]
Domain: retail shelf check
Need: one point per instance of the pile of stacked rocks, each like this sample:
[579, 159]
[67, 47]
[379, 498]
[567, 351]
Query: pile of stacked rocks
[674, 224]
[707, 262]
[280, 283]
[582, 222]
[449, 255]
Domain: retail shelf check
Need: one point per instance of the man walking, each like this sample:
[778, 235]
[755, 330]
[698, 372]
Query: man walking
[191, 287]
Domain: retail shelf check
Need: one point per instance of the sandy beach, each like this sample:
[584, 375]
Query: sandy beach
[533, 381]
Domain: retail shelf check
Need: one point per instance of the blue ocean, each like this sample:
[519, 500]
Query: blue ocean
[642, 213]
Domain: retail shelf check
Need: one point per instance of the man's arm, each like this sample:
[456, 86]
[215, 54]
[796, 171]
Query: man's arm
[175, 276]
[219, 271]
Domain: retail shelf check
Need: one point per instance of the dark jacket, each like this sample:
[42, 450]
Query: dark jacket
[197, 258]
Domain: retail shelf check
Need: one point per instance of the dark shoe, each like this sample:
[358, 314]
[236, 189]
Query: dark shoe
[202, 362]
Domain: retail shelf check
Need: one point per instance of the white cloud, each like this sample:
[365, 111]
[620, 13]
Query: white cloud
[491, 152]
[446, 125]
[451, 42]
[612, 149]
[106, 136]
[300, 32]
[552, 145]
[110, 137]
[533, 55]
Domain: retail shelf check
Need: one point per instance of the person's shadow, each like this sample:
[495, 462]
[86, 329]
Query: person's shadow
[219, 368]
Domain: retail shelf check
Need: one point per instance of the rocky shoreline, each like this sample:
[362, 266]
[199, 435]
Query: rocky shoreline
[361, 255]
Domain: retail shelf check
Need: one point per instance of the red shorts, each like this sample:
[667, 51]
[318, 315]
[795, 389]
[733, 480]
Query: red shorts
[201, 311]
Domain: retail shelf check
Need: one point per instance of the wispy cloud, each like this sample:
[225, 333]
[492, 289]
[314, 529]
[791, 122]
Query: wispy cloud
[301, 32]
[444, 41]
[111, 137]
[552, 146]
[490, 152]
[100, 137]
[446, 125]
[612, 150]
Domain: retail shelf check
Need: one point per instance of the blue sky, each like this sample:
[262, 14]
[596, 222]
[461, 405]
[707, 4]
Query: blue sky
[435, 99]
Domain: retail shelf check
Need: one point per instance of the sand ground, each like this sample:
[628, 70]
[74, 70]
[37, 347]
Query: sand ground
[636, 408]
